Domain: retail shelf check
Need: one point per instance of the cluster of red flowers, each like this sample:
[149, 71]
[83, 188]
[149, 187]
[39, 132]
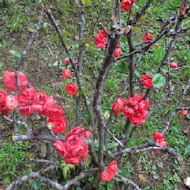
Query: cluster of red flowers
[126, 4]
[146, 80]
[29, 101]
[159, 137]
[101, 40]
[134, 108]
[74, 149]
[110, 172]
[147, 37]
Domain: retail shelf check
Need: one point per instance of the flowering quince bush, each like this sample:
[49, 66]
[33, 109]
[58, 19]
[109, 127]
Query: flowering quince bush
[98, 109]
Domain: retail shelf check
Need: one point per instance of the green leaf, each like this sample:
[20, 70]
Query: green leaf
[122, 67]
[36, 185]
[1, 64]
[81, 91]
[84, 2]
[158, 80]
[111, 145]
[15, 53]
[187, 149]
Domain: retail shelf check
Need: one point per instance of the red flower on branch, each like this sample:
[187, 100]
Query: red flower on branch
[27, 96]
[101, 39]
[110, 172]
[134, 108]
[10, 80]
[118, 106]
[71, 89]
[117, 52]
[183, 112]
[66, 73]
[11, 102]
[147, 37]
[173, 65]
[74, 150]
[67, 60]
[80, 132]
[126, 4]
[159, 137]
[59, 124]
[3, 96]
[146, 80]
[25, 110]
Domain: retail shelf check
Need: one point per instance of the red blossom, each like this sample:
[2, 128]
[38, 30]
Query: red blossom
[110, 172]
[3, 96]
[117, 52]
[126, 4]
[53, 112]
[173, 65]
[71, 89]
[159, 137]
[25, 110]
[146, 80]
[11, 102]
[101, 39]
[66, 73]
[27, 96]
[79, 131]
[183, 112]
[134, 108]
[59, 124]
[10, 80]
[74, 150]
[147, 37]
[67, 60]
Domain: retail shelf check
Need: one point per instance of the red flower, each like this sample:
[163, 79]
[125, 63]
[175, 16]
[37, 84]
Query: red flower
[66, 73]
[183, 112]
[54, 112]
[118, 106]
[138, 118]
[159, 137]
[101, 39]
[73, 150]
[50, 101]
[80, 132]
[37, 108]
[110, 172]
[117, 52]
[146, 80]
[3, 96]
[67, 60]
[10, 80]
[135, 108]
[27, 96]
[71, 89]
[41, 98]
[25, 110]
[60, 147]
[173, 65]
[11, 102]
[59, 124]
[147, 37]
[126, 4]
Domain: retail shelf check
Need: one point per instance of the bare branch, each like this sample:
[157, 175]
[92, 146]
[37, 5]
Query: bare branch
[128, 181]
[184, 91]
